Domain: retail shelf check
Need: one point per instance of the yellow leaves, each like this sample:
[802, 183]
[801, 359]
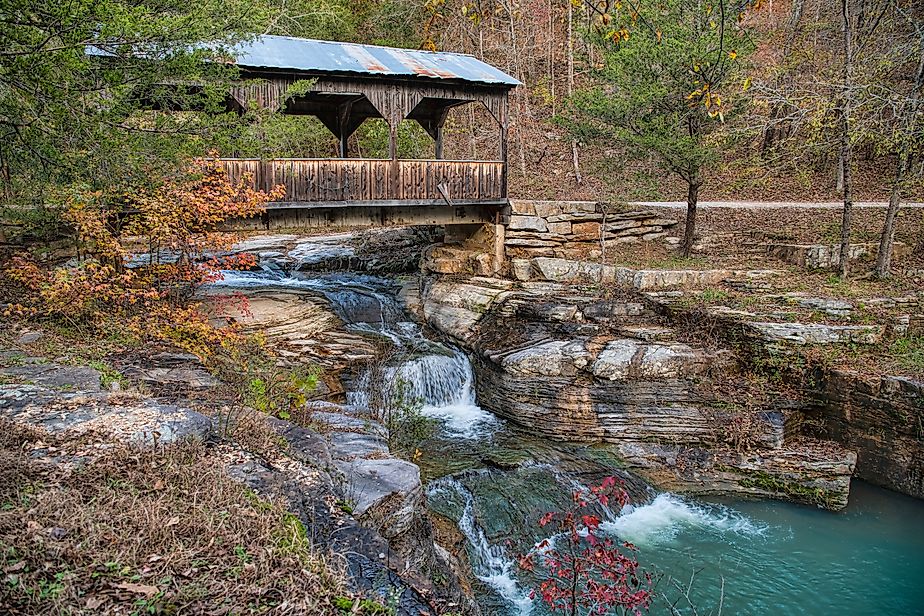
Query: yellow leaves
[620, 35]
[746, 84]
[576, 4]
[658, 34]
[732, 54]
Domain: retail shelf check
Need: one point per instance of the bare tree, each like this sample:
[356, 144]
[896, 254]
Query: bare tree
[909, 133]
[860, 19]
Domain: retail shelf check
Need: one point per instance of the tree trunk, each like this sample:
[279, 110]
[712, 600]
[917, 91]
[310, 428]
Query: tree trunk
[839, 187]
[690, 226]
[575, 159]
[846, 147]
[777, 127]
[903, 166]
[884, 260]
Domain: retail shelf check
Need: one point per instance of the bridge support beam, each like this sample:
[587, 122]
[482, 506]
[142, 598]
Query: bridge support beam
[366, 216]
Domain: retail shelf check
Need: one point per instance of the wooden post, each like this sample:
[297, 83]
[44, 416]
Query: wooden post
[503, 158]
[394, 191]
[500, 233]
[439, 143]
[343, 121]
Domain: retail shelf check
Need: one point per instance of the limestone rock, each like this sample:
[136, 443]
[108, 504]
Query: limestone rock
[57, 376]
[527, 223]
[521, 269]
[591, 229]
[545, 209]
[522, 207]
[563, 270]
[350, 445]
[562, 228]
[817, 333]
[122, 418]
[625, 358]
[555, 358]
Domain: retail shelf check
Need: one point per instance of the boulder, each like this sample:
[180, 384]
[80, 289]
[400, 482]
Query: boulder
[522, 207]
[627, 358]
[553, 358]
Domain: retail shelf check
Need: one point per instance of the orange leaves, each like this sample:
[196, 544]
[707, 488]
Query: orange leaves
[194, 205]
[150, 301]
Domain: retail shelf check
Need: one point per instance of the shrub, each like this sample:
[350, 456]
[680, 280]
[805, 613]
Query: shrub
[582, 570]
[98, 295]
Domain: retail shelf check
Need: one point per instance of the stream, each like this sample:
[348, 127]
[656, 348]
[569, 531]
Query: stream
[492, 479]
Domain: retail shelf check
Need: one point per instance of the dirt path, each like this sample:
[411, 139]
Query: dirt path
[769, 205]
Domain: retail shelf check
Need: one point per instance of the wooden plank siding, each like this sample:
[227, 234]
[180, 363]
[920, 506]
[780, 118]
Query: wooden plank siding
[309, 180]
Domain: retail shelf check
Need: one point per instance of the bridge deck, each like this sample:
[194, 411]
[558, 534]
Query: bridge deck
[352, 182]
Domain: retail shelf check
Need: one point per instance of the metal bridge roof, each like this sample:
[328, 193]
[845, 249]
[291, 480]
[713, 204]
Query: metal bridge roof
[308, 55]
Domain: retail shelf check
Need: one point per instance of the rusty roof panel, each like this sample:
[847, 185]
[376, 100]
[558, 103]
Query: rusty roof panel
[287, 53]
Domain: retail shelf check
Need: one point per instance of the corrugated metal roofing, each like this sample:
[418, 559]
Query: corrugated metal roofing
[287, 53]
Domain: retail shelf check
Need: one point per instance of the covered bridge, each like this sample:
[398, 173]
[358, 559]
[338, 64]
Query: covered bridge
[352, 83]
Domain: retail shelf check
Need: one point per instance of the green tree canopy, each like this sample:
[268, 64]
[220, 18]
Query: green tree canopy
[670, 73]
[70, 118]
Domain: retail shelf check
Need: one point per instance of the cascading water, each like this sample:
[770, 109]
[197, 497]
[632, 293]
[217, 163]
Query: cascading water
[490, 563]
[439, 376]
[753, 558]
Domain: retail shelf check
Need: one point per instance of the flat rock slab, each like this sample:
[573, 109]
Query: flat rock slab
[817, 333]
[56, 376]
[627, 358]
[125, 419]
[648, 333]
[340, 421]
[350, 445]
[194, 378]
[833, 307]
[370, 482]
[552, 358]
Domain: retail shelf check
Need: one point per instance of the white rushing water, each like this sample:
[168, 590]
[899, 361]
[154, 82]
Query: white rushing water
[490, 563]
[446, 385]
[668, 515]
[440, 377]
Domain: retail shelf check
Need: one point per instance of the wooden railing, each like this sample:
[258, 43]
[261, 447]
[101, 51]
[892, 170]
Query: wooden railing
[324, 180]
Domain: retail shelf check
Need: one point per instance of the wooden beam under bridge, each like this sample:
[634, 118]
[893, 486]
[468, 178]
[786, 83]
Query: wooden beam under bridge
[298, 216]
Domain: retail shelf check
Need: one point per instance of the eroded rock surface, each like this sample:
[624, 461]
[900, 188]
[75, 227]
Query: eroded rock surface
[578, 367]
[353, 496]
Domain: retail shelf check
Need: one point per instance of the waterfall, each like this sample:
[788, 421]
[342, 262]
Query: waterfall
[439, 376]
[445, 385]
[490, 563]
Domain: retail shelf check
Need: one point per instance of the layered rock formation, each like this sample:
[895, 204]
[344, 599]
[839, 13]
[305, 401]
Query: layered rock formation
[353, 496]
[825, 256]
[879, 416]
[576, 366]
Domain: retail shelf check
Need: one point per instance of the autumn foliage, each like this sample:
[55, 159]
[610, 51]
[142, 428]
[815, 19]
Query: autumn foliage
[582, 569]
[178, 224]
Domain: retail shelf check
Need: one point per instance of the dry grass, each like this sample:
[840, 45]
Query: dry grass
[136, 532]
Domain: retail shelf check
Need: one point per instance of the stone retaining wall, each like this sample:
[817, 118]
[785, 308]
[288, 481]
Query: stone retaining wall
[573, 228]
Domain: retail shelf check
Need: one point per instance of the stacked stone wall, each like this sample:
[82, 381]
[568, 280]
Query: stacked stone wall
[577, 228]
